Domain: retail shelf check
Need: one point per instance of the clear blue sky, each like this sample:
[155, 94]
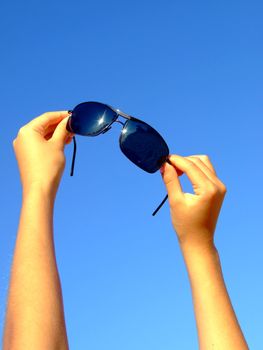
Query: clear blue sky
[191, 69]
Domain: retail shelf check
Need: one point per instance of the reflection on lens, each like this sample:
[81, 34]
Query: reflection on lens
[124, 130]
[102, 119]
[143, 145]
[91, 118]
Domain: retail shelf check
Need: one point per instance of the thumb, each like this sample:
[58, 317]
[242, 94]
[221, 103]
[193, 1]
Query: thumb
[171, 181]
[61, 134]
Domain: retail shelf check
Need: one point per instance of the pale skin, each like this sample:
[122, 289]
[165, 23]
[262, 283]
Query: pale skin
[35, 315]
[194, 218]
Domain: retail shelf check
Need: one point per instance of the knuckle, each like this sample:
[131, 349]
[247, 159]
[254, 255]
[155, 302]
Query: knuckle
[197, 161]
[22, 131]
[199, 157]
[211, 190]
[190, 165]
[215, 190]
[204, 157]
[223, 188]
[193, 158]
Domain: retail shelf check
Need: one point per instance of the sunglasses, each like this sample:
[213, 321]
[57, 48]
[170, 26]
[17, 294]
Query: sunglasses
[139, 142]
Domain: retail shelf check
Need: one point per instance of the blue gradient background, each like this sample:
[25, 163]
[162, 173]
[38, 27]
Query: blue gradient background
[192, 70]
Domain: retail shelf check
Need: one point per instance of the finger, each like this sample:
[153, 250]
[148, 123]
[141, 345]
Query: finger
[49, 131]
[210, 174]
[205, 169]
[171, 181]
[61, 134]
[179, 172]
[43, 122]
[197, 177]
[205, 159]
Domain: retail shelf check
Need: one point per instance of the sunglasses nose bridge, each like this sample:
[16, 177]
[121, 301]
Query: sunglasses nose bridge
[118, 121]
[109, 126]
[124, 115]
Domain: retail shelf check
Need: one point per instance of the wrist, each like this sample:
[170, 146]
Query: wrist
[198, 249]
[47, 193]
[202, 262]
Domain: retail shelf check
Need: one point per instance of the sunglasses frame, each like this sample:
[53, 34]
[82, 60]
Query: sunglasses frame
[107, 128]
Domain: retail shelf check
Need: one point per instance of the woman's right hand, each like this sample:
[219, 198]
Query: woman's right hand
[39, 149]
[194, 216]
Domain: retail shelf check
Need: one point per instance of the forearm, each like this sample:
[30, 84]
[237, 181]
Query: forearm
[35, 317]
[217, 324]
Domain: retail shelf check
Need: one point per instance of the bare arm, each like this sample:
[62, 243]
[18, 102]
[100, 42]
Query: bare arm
[35, 316]
[194, 218]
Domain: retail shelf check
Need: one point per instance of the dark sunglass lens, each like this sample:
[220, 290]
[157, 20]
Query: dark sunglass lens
[91, 118]
[143, 145]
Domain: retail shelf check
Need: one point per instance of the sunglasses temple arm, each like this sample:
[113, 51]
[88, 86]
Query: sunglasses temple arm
[159, 207]
[74, 156]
